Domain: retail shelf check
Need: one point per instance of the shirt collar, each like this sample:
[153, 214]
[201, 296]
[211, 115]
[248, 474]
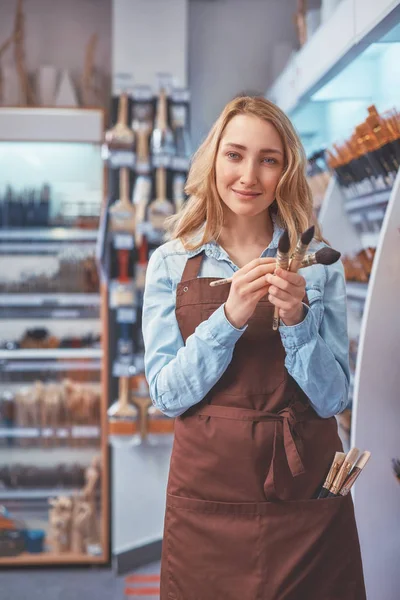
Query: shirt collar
[214, 250]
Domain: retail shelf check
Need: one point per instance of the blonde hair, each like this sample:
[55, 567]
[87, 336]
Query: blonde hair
[293, 205]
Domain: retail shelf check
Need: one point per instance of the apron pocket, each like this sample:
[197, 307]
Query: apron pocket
[312, 551]
[213, 550]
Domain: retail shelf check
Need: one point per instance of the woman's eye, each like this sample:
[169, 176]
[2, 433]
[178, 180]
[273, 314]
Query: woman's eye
[233, 155]
[269, 161]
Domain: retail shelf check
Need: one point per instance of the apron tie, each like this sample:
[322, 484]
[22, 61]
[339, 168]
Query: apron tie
[283, 440]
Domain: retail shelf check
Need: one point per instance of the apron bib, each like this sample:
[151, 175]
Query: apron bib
[241, 520]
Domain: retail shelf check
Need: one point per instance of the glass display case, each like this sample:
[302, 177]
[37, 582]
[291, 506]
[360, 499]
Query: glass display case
[54, 467]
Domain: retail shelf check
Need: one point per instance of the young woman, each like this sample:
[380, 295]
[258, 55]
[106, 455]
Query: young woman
[255, 432]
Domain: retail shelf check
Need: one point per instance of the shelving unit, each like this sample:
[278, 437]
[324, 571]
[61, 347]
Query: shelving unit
[351, 62]
[53, 400]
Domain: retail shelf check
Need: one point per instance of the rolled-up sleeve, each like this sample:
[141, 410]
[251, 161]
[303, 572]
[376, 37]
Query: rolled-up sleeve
[317, 349]
[180, 375]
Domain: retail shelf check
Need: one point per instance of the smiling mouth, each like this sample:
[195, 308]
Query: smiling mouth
[246, 194]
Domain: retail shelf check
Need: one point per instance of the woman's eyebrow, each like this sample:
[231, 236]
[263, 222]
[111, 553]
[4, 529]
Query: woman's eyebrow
[263, 150]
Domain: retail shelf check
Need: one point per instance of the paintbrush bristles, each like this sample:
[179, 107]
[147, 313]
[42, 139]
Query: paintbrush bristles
[284, 242]
[307, 236]
[327, 256]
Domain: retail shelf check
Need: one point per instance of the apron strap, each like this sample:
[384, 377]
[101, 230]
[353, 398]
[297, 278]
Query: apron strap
[192, 267]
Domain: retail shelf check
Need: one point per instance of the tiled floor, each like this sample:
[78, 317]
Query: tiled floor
[79, 584]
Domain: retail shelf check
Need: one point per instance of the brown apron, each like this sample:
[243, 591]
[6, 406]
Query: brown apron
[242, 521]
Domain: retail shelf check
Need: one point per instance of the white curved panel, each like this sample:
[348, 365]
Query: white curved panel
[376, 413]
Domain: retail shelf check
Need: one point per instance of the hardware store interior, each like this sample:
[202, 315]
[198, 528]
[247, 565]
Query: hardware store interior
[103, 105]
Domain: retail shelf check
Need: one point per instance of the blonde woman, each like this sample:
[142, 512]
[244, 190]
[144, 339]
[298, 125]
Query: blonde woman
[255, 432]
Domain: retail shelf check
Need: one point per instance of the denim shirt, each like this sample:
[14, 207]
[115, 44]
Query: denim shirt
[181, 375]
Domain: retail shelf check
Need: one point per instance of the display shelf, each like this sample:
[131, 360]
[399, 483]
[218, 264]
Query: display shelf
[353, 26]
[55, 183]
[44, 558]
[42, 312]
[35, 366]
[49, 300]
[76, 432]
[36, 494]
[51, 353]
[50, 234]
[37, 248]
[82, 125]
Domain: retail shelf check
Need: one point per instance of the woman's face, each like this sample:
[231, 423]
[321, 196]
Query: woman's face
[249, 163]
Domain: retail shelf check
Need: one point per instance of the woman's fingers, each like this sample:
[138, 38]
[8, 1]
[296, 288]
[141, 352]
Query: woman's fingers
[257, 262]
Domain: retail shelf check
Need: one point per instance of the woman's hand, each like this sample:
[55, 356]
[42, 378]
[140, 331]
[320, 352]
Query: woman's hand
[287, 291]
[247, 288]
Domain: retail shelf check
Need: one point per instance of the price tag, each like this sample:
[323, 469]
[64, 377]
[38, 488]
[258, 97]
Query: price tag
[123, 241]
[85, 431]
[180, 163]
[162, 160]
[65, 314]
[126, 315]
[123, 370]
[142, 93]
[180, 95]
[121, 158]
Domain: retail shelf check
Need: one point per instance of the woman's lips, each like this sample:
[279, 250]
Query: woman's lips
[245, 194]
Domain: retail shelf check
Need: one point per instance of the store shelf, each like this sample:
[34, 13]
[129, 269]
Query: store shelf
[41, 312]
[36, 494]
[46, 558]
[50, 365]
[333, 46]
[50, 234]
[368, 201]
[82, 125]
[357, 291]
[77, 432]
[49, 300]
[51, 353]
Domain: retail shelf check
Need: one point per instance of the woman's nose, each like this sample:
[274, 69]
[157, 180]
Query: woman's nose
[249, 176]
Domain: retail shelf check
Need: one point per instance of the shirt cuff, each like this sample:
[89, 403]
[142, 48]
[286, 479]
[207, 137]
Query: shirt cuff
[294, 336]
[222, 330]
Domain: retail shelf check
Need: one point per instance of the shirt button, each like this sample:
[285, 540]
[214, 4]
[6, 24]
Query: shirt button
[185, 289]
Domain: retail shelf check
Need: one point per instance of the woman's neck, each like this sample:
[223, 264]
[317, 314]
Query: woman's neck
[246, 232]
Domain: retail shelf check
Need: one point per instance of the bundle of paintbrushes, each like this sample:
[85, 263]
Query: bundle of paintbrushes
[292, 264]
[344, 471]
[324, 256]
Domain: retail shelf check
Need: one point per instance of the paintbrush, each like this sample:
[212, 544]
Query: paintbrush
[122, 212]
[324, 256]
[282, 262]
[122, 416]
[121, 137]
[343, 472]
[354, 473]
[162, 139]
[333, 471]
[301, 249]
[160, 208]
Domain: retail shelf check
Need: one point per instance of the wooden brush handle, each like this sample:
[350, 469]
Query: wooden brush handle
[142, 145]
[124, 185]
[123, 109]
[162, 111]
[123, 266]
[124, 391]
[161, 183]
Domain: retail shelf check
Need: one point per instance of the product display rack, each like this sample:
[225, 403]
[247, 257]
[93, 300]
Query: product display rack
[54, 465]
[326, 98]
[147, 151]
